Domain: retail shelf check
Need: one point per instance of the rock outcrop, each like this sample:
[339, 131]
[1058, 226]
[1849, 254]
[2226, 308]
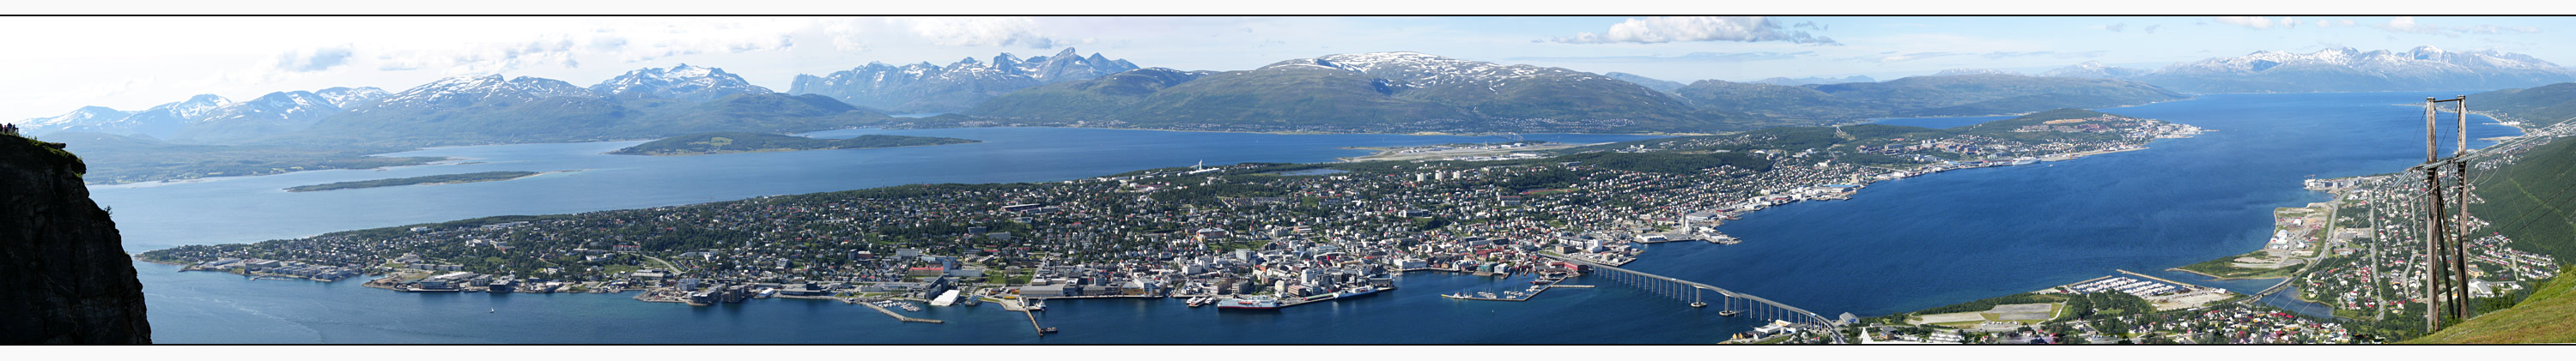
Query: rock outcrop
[64, 275]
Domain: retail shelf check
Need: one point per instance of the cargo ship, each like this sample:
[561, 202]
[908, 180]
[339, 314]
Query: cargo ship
[1248, 303]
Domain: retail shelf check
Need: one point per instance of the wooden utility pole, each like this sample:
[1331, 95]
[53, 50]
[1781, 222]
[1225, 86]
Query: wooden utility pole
[2446, 284]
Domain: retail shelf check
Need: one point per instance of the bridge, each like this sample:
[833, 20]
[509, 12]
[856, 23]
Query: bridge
[1698, 294]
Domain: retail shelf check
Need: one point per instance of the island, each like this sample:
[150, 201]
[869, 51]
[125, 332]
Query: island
[742, 142]
[435, 179]
[1206, 234]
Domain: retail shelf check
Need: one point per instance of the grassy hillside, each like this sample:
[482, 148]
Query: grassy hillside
[1954, 95]
[1285, 96]
[1102, 98]
[2548, 316]
[2541, 105]
[1824, 137]
[2533, 200]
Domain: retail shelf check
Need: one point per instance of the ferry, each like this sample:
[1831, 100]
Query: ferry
[1357, 291]
[1039, 306]
[2024, 161]
[1248, 303]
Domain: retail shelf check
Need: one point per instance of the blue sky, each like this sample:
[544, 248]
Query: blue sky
[134, 63]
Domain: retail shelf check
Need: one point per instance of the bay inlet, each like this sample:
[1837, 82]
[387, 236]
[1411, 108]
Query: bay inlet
[1897, 246]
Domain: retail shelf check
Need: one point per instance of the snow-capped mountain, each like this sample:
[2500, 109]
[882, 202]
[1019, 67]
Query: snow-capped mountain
[1371, 92]
[2346, 69]
[684, 82]
[83, 117]
[275, 113]
[1469, 83]
[345, 97]
[1405, 69]
[2094, 70]
[925, 87]
[160, 121]
[468, 90]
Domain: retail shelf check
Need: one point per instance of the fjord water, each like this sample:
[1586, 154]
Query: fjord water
[251, 209]
[1927, 241]
[1897, 246]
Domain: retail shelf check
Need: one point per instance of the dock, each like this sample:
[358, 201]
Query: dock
[897, 316]
[1523, 298]
[1021, 306]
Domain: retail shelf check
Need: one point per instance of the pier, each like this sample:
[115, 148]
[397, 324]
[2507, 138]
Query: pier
[1696, 294]
[897, 316]
[1022, 306]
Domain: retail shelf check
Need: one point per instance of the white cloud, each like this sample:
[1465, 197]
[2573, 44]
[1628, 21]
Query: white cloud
[2116, 27]
[490, 58]
[979, 31]
[1663, 29]
[314, 59]
[2255, 22]
[2407, 24]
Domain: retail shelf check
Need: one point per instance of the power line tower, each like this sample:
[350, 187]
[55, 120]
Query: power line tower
[2446, 283]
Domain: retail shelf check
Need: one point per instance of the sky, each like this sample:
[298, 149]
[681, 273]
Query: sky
[134, 63]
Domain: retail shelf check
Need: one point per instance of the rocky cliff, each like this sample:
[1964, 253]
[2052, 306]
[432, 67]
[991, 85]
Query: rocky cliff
[64, 274]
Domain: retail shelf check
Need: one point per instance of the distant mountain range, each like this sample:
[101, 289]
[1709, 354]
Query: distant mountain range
[2342, 70]
[1815, 80]
[640, 104]
[1366, 92]
[645, 103]
[927, 88]
[1650, 83]
[1949, 95]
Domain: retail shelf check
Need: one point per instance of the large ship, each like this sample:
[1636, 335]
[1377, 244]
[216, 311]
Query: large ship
[1248, 303]
[1356, 292]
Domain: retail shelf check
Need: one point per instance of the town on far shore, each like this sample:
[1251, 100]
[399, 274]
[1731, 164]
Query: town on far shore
[1238, 237]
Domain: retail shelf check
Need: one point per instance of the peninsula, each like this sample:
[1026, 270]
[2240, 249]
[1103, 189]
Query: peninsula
[741, 142]
[435, 179]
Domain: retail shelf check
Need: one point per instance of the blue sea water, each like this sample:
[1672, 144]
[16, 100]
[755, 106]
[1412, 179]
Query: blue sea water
[251, 209]
[1897, 246]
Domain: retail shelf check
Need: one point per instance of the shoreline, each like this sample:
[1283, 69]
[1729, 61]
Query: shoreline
[615, 152]
[1934, 168]
[293, 190]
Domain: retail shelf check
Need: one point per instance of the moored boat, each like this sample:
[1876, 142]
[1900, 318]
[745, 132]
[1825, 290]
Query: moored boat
[1248, 303]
